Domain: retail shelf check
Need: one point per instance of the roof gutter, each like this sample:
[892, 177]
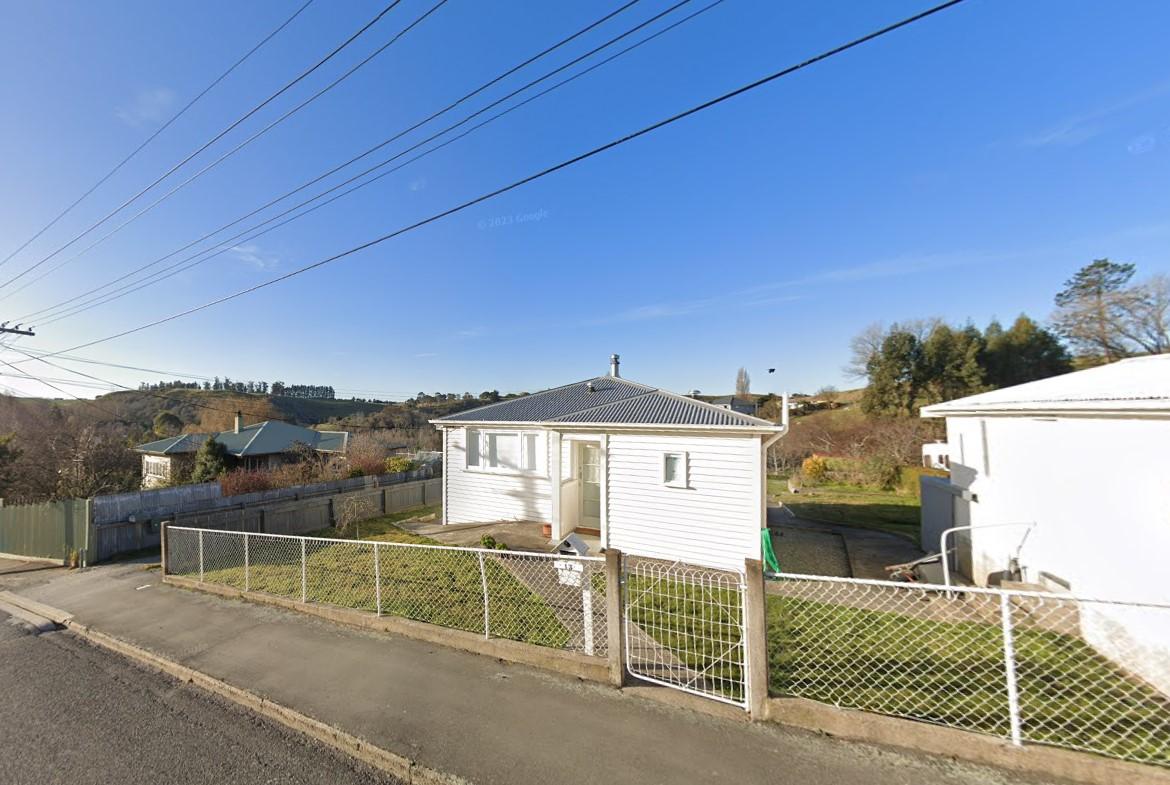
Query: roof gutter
[1121, 412]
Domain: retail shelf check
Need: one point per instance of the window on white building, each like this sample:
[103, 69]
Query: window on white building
[472, 447]
[674, 469]
[504, 451]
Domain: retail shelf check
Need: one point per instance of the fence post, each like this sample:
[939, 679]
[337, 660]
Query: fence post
[755, 639]
[1009, 667]
[487, 626]
[304, 574]
[613, 616]
[201, 556]
[377, 580]
[162, 547]
[247, 565]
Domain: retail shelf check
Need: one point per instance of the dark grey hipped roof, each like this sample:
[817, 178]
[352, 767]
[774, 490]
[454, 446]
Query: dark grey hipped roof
[607, 399]
[264, 438]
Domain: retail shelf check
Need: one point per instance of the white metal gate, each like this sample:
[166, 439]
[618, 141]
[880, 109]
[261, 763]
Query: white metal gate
[684, 628]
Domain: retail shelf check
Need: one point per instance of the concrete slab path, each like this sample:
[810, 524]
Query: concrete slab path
[830, 548]
[469, 715]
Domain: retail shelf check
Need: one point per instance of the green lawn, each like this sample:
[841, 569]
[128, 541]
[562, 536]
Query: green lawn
[436, 585]
[953, 673]
[385, 528]
[850, 505]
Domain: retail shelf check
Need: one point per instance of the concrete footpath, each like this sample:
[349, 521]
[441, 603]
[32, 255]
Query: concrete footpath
[466, 714]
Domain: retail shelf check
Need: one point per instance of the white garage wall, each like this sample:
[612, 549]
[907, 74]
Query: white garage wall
[715, 520]
[477, 496]
[1099, 492]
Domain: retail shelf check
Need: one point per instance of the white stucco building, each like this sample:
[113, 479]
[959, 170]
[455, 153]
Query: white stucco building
[645, 470]
[1081, 462]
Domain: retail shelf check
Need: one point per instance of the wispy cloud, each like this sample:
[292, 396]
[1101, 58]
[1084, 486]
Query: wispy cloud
[147, 107]
[779, 292]
[666, 310]
[427, 354]
[470, 332]
[254, 256]
[1080, 128]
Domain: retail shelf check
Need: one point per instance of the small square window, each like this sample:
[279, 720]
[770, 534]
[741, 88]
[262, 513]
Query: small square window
[674, 469]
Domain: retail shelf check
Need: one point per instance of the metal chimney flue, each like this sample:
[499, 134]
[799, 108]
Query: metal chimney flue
[239, 421]
[614, 362]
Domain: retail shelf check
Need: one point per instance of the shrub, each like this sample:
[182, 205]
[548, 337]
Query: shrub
[814, 469]
[400, 463]
[487, 541]
[364, 465]
[246, 481]
[880, 472]
[501, 546]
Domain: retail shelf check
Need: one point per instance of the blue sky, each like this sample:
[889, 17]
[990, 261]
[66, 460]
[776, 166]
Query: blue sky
[961, 168]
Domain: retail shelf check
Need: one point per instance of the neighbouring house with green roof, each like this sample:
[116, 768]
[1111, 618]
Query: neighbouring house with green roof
[264, 445]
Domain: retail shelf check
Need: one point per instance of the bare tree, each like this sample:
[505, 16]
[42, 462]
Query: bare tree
[1147, 315]
[864, 347]
[743, 382]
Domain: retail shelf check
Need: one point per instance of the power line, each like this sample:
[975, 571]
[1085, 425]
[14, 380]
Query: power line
[213, 140]
[229, 153]
[110, 412]
[533, 177]
[158, 131]
[366, 153]
[210, 253]
[187, 399]
[174, 374]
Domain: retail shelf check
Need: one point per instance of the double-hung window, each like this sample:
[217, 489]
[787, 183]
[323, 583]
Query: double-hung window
[504, 451]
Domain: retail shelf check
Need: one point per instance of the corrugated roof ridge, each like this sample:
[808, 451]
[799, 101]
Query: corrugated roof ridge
[543, 392]
[586, 410]
[244, 449]
[712, 407]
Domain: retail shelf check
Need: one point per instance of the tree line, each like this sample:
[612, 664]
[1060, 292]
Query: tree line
[1101, 315]
[247, 388]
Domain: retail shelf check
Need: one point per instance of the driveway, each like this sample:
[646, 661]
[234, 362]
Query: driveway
[812, 547]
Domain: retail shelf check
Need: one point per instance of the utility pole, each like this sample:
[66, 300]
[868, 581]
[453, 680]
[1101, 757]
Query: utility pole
[4, 328]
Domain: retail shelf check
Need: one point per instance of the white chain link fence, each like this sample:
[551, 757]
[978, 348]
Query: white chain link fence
[684, 628]
[1086, 674]
[542, 599]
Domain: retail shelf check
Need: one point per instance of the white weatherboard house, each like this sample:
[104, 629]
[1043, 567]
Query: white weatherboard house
[1066, 481]
[647, 471]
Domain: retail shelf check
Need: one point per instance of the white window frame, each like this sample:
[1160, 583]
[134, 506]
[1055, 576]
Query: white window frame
[540, 463]
[685, 472]
[158, 466]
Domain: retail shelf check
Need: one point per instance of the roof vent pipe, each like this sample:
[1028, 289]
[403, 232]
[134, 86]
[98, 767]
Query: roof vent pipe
[239, 421]
[614, 362]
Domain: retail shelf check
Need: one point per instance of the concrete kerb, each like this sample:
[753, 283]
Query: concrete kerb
[958, 744]
[399, 766]
[566, 662]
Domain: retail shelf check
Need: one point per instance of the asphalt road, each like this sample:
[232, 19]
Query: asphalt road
[72, 713]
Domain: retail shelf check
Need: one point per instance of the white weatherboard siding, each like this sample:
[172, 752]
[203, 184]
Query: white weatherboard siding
[1098, 490]
[715, 520]
[476, 496]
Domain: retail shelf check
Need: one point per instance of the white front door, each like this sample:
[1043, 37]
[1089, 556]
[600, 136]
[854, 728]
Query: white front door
[589, 474]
